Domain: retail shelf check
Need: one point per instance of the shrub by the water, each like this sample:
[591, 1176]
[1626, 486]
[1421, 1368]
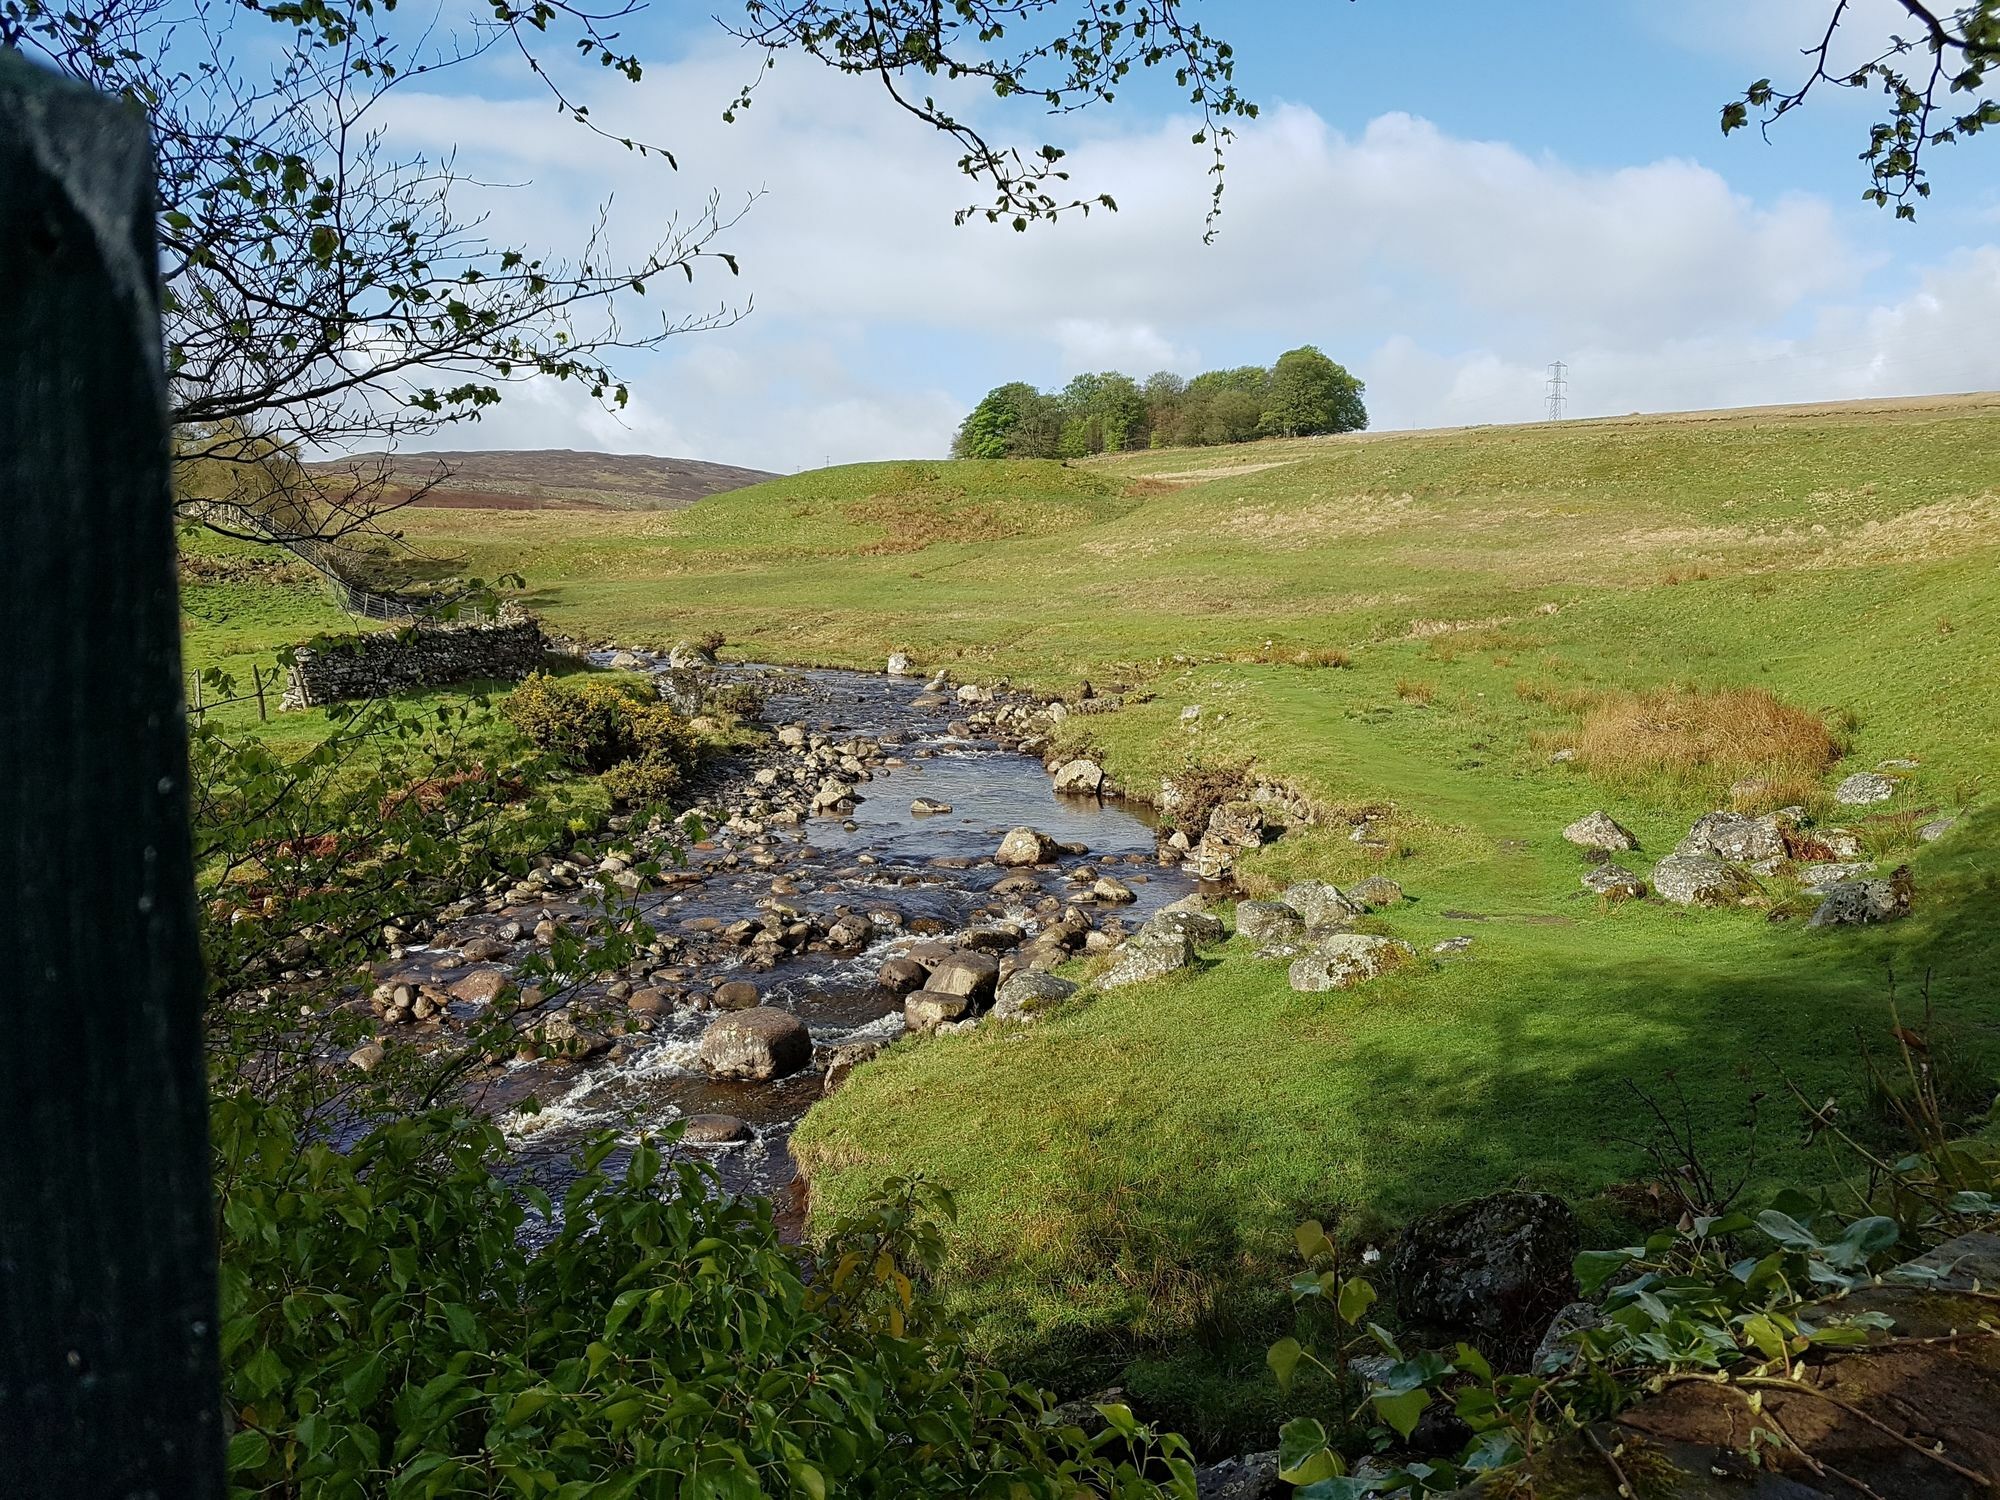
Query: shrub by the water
[643, 748]
[585, 720]
[387, 1331]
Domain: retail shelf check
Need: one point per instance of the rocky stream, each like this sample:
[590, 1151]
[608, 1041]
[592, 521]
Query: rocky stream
[851, 882]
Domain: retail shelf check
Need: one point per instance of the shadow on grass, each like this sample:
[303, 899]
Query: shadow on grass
[1160, 1261]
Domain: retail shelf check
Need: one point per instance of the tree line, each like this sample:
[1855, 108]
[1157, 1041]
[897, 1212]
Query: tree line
[1303, 394]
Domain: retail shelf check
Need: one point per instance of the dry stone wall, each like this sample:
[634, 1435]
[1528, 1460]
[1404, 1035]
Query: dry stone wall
[392, 661]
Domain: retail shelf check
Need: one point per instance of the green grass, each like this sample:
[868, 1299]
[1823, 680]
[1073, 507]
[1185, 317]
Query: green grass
[1129, 1172]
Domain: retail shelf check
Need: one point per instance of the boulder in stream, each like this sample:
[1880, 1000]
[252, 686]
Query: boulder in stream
[758, 1044]
[974, 975]
[1025, 846]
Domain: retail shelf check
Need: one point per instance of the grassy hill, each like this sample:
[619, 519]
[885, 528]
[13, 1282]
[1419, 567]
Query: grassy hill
[1405, 624]
[549, 479]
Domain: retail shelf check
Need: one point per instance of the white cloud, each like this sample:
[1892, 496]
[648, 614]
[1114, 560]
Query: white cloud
[1448, 269]
[1943, 335]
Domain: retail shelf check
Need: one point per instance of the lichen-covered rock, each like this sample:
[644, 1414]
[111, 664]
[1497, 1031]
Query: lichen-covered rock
[1236, 825]
[1599, 830]
[1341, 960]
[758, 1044]
[974, 975]
[1025, 846]
[1254, 1476]
[1697, 880]
[1266, 923]
[1736, 837]
[1826, 874]
[1614, 883]
[1083, 777]
[1202, 929]
[1936, 829]
[1853, 902]
[1864, 787]
[926, 1010]
[1028, 993]
[1112, 892]
[1376, 892]
[1493, 1271]
[1148, 955]
[1320, 904]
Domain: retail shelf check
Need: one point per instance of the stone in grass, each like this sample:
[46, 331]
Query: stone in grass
[1266, 923]
[1697, 880]
[1936, 829]
[1824, 876]
[1028, 993]
[1864, 787]
[1737, 837]
[1202, 929]
[1376, 892]
[1614, 883]
[843, 1060]
[757, 1045]
[1320, 904]
[1854, 902]
[1148, 955]
[714, 1130]
[1599, 830]
[1342, 960]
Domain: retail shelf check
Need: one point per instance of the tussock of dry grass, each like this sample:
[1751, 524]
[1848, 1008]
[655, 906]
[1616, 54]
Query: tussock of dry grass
[1411, 691]
[1704, 733]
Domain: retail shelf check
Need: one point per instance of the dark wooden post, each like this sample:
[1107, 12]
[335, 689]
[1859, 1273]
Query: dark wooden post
[109, 1380]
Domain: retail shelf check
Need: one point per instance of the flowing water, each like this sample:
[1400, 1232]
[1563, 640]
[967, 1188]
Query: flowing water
[913, 874]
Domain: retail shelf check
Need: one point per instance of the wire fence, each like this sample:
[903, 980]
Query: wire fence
[313, 551]
[197, 705]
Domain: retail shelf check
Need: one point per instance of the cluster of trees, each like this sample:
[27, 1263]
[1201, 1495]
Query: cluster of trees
[1304, 393]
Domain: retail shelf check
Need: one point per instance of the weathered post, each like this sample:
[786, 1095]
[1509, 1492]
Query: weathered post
[108, 1366]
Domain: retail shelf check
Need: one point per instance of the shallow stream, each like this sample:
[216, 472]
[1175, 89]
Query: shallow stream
[919, 878]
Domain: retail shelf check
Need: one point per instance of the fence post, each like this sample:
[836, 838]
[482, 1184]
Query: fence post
[109, 1381]
[257, 679]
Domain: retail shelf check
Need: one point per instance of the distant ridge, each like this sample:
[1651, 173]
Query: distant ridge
[552, 479]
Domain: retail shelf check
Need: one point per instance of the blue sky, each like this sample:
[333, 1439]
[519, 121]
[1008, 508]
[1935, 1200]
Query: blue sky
[1443, 196]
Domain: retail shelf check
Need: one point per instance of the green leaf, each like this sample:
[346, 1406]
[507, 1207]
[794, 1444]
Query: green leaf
[1283, 1358]
[1401, 1409]
[248, 1449]
[1595, 1267]
[1300, 1442]
[1786, 1230]
[1356, 1297]
[809, 1479]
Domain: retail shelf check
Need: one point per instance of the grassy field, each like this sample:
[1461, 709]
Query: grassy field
[1129, 1172]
